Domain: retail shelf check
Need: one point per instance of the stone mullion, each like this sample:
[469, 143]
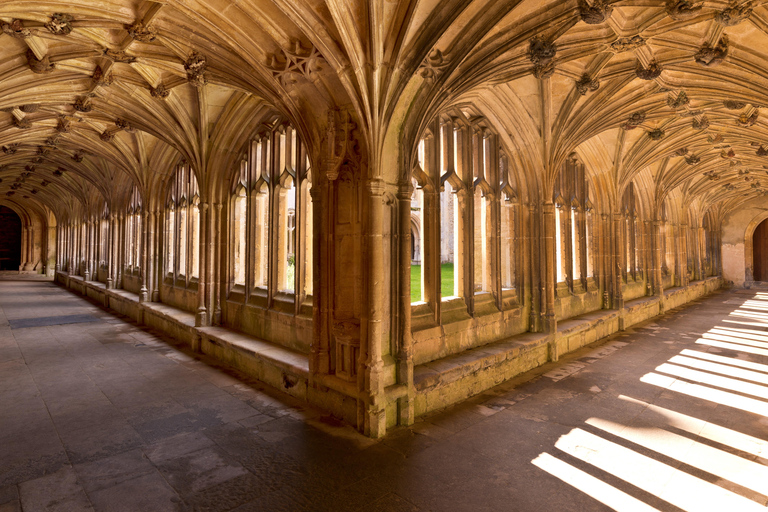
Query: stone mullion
[299, 293]
[250, 242]
[273, 204]
[143, 240]
[493, 218]
[583, 241]
[566, 230]
[406, 404]
[430, 261]
[464, 214]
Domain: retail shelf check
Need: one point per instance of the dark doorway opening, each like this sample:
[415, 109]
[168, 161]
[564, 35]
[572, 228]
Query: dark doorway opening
[760, 252]
[10, 239]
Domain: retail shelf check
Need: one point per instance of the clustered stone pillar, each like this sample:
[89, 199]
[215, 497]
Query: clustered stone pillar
[406, 409]
[375, 421]
[201, 316]
[549, 249]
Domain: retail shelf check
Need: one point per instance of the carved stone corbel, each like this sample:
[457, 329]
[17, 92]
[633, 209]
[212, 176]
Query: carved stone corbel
[39, 66]
[119, 56]
[433, 65]
[650, 73]
[16, 29]
[625, 44]
[99, 78]
[748, 120]
[634, 121]
[60, 24]
[586, 84]
[709, 56]
[339, 141]
[195, 67]
[682, 10]
[734, 14]
[82, 104]
[700, 124]
[142, 33]
[596, 13]
[542, 54]
[159, 92]
[678, 101]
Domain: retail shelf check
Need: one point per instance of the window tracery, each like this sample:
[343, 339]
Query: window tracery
[133, 231]
[271, 216]
[182, 225]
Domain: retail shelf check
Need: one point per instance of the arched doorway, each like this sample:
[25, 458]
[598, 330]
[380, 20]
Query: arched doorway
[10, 239]
[760, 252]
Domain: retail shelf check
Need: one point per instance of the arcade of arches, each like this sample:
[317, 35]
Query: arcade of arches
[385, 207]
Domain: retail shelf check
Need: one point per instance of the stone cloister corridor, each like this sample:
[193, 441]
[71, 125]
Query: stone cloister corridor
[101, 414]
[393, 254]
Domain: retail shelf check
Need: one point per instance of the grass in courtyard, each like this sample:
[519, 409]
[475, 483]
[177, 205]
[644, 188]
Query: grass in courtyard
[446, 281]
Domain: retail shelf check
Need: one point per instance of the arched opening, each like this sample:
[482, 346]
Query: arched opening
[760, 252]
[10, 239]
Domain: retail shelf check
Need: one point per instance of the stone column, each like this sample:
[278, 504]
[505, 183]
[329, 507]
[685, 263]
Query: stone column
[157, 256]
[201, 316]
[658, 288]
[617, 257]
[375, 414]
[111, 252]
[146, 222]
[550, 321]
[406, 404]
[699, 254]
[215, 267]
[87, 225]
[120, 250]
[606, 250]
[319, 362]
[533, 268]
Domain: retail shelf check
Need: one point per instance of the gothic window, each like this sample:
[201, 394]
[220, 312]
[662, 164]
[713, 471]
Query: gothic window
[450, 210]
[508, 202]
[133, 231]
[104, 236]
[271, 215]
[573, 220]
[632, 235]
[182, 225]
[463, 210]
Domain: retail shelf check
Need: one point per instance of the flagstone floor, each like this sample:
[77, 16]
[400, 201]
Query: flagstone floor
[98, 413]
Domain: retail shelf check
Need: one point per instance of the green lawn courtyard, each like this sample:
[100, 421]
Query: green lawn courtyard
[446, 281]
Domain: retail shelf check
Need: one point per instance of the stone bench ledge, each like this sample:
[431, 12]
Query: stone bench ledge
[452, 368]
[287, 359]
[584, 322]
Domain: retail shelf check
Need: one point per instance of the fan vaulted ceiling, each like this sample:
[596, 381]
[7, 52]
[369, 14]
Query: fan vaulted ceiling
[97, 96]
